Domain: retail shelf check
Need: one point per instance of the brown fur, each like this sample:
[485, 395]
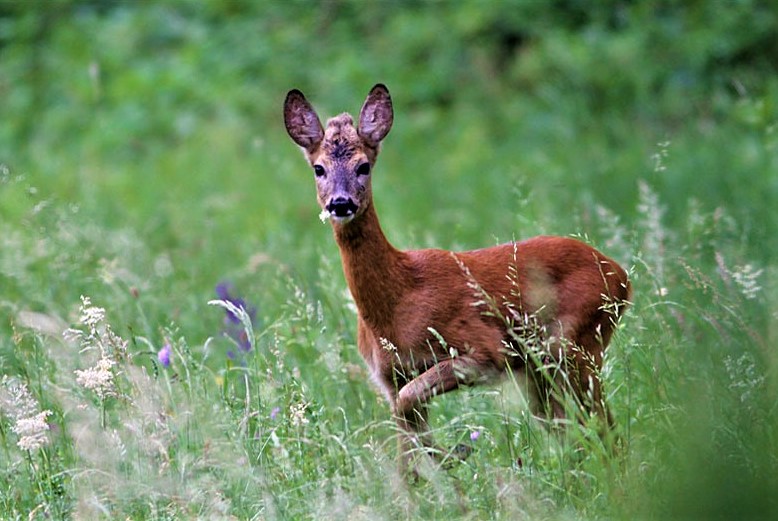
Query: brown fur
[432, 320]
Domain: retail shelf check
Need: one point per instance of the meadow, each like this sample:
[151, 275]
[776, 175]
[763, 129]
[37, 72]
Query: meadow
[176, 337]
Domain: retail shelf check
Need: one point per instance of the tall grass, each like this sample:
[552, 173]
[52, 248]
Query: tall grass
[176, 337]
[269, 414]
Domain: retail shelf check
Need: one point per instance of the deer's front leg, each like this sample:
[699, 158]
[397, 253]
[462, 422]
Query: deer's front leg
[438, 379]
[410, 407]
[441, 378]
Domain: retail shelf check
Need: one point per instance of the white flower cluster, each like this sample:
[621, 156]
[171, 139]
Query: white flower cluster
[98, 378]
[96, 335]
[387, 344]
[29, 423]
[98, 332]
[91, 316]
[297, 414]
[32, 431]
[747, 278]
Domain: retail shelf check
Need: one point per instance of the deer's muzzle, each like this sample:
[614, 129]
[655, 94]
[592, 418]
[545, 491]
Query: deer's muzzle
[342, 207]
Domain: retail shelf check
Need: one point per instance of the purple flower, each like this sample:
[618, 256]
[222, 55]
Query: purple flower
[274, 412]
[164, 355]
[223, 290]
[475, 435]
[233, 327]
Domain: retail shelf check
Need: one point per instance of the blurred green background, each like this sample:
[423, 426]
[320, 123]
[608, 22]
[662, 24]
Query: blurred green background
[143, 159]
[136, 110]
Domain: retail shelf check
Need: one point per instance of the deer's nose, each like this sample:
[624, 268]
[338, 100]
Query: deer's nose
[342, 207]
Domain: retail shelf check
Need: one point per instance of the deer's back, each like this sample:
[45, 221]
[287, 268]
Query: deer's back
[454, 296]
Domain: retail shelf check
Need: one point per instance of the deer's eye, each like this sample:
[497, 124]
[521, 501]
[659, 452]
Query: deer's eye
[363, 169]
[318, 170]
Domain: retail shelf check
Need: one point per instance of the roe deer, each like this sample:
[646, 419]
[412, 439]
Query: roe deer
[430, 320]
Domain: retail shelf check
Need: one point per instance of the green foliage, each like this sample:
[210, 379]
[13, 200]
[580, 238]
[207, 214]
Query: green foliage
[143, 161]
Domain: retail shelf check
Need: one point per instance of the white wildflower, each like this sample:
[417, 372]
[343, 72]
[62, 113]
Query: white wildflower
[98, 378]
[324, 215]
[96, 333]
[91, 316]
[297, 414]
[32, 431]
[29, 423]
[72, 336]
[660, 156]
[746, 277]
[387, 344]
[15, 400]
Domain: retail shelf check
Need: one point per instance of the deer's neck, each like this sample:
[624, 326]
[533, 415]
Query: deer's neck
[377, 274]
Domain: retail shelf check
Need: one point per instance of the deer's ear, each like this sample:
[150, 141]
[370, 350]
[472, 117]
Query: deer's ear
[301, 121]
[376, 116]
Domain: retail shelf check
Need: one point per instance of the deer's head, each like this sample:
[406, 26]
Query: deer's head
[342, 155]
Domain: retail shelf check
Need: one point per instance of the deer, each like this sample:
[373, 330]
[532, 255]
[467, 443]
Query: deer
[430, 321]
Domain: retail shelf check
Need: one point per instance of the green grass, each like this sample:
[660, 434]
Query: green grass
[170, 172]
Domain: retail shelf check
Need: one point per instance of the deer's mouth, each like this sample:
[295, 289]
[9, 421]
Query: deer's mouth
[342, 209]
